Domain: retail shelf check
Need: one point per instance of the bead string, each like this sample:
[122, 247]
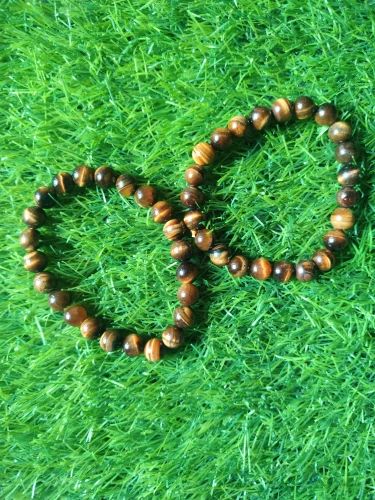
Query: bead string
[239, 127]
[76, 314]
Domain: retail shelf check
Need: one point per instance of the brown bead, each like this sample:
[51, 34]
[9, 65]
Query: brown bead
[44, 282]
[187, 272]
[261, 268]
[260, 117]
[173, 229]
[194, 175]
[105, 177]
[187, 294]
[348, 176]
[110, 340]
[335, 240]
[153, 350]
[44, 197]
[193, 218]
[172, 337]
[305, 270]
[238, 126]
[346, 152]
[59, 299]
[34, 216]
[63, 183]
[183, 317]
[35, 261]
[339, 132]
[75, 315]
[221, 139]
[203, 239]
[91, 328]
[304, 107]
[125, 185]
[83, 176]
[326, 114]
[347, 197]
[145, 196]
[282, 271]
[342, 218]
[192, 197]
[29, 239]
[132, 345]
[203, 154]
[219, 255]
[324, 259]
[282, 110]
[181, 250]
[161, 212]
[238, 266]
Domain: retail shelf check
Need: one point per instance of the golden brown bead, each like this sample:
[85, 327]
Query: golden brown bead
[181, 250]
[203, 154]
[145, 196]
[75, 315]
[44, 282]
[194, 175]
[324, 259]
[91, 328]
[187, 272]
[283, 271]
[204, 239]
[125, 185]
[192, 197]
[173, 229]
[83, 176]
[342, 218]
[238, 126]
[335, 240]
[304, 107]
[110, 340]
[260, 117]
[346, 152]
[261, 268]
[238, 266]
[34, 216]
[187, 294]
[44, 197]
[326, 114]
[63, 183]
[132, 345]
[193, 218]
[29, 239]
[348, 176]
[161, 212]
[339, 132]
[221, 139]
[172, 337]
[282, 110]
[35, 261]
[305, 270]
[219, 255]
[105, 177]
[183, 317]
[347, 197]
[153, 350]
[59, 299]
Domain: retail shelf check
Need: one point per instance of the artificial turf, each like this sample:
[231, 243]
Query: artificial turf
[274, 395]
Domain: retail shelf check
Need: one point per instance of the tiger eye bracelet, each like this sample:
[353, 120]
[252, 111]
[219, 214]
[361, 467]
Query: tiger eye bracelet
[76, 314]
[240, 127]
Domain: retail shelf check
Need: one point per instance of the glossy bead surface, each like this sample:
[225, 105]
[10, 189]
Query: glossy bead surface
[173, 229]
[83, 176]
[238, 126]
[183, 317]
[339, 132]
[193, 219]
[260, 117]
[347, 197]
[282, 110]
[192, 197]
[326, 114]
[153, 350]
[238, 266]
[261, 268]
[335, 240]
[187, 272]
[172, 337]
[44, 282]
[110, 340]
[181, 250]
[324, 259]
[161, 212]
[187, 294]
[348, 176]
[59, 299]
[145, 196]
[63, 183]
[221, 139]
[194, 175]
[75, 315]
[345, 152]
[44, 197]
[34, 216]
[105, 177]
[125, 185]
[283, 271]
[305, 270]
[203, 154]
[35, 261]
[304, 107]
[342, 218]
[204, 239]
[132, 345]
[29, 239]
[91, 327]
[219, 255]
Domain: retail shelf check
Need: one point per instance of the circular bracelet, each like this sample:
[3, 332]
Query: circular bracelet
[76, 314]
[238, 127]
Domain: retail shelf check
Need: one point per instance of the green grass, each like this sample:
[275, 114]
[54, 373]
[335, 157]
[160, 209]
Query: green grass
[275, 399]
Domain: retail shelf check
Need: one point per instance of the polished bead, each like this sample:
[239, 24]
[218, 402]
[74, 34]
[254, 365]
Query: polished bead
[34, 216]
[181, 250]
[305, 270]
[29, 239]
[324, 259]
[348, 176]
[172, 337]
[110, 340]
[260, 117]
[342, 218]
[161, 212]
[173, 229]
[132, 345]
[145, 196]
[75, 315]
[238, 266]
[44, 282]
[238, 126]
[304, 107]
[326, 114]
[192, 197]
[219, 255]
[346, 152]
[105, 177]
[44, 197]
[203, 239]
[63, 183]
[283, 271]
[261, 268]
[91, 328]
[347, 197]
[153, 350]
[187, 272]
[339, 132]
[183, 317]
[193, 219]
[221, 139]
[187, 294]
[125, 185]
[35, 261]
[83, 175]
[335, 240]
[59, 299]
[203, 154]
[282, 110]
[194, 175]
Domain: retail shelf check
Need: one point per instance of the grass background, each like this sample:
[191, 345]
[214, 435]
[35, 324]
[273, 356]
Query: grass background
[276, 398]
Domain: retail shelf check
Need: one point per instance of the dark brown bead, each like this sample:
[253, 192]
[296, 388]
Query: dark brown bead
[153, 350]
[193, 218]
[347, 197]
[238, 266]
[35, 261]
[238, 126]
[173, 229]
[305, 270]
[339, 132]
[348, 176]
[192, 197]
[63, 183]
[172, 337]
[183, 317]
[326, 114]
[187, 272]
[181, 250]
[187, 294]
[161, 212]
[204, 239]
[261, 268]
[59, 299]
[132, 345]
[125, 185]
[346, 152]
[91, 328]
[44, 197]
[194, 175]
[145, 196]
[342, 218]
[29, 239]
[335, 240]
[282, 110]
[221, 139]
[283, 271]
[324, 259]
[44, 282]
[260, 117]
[203, 154]
[110, 340]
[34, 216]
[105, 177]
[304, 107]
[83, 176]
[75, 315]
[219, 255]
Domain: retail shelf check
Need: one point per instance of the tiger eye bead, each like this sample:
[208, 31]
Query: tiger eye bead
[324, 259]
[187, 272]
[181, 250]
[91, 328]
[348, 176]
[346, 152]
[191, 197]
[204, 239]
[83, 176]
[63, 183]
[145, 196]
[342, 218]
[172, 337]
[304, 107]
[219, 255]
[339, 132]
[347, 197]
[29, 239]
[34, 216]
[110, 340]
[326, 114]
[203, 154]
[260, 117]
[132, 345]
[44, 197]
[238, 266]
[261, 268]
[183, 317]
[125, 185]
[305, 270]
[238, 126]
[173, 229]
[221, 139]
[59, 299]
[283, 271]
[44, 282]
[335, 240]
[153, 350]
[105, 177]
[187, 294]
[194, 175]
[161, 212]
[35, 261]
[193, 219]
[282, 110]
[75, 315]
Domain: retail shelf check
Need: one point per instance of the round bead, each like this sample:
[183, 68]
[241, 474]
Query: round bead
[187, 272]
[238, 126]
[283, 271]
[34, 216]
[172, 337]
[153, 350]
[304, 107]
[187, 294]
[35, 261]
[191, 197]
[193, 218]
[194, 175]
[161, 212]
[347, 197]
[342, 218]
[221, 139]
[346, 152]
[110, 340]
[324, 259]
[145, 196]
[44, 197]
[348, 176]
[75, 315]
[326, 114]
[91, 328]
[261, 268]
[219, 255]
[305, 270]
[203, 239]
[181, 250]
[44, 282]
[104, 176]
[183, 317]
[29, 239]
[125, 185]
[173, 229]
[203, 154]
[132, 345]
[238, 266]
[260, 117]
[335, 240]
[59, 299]
[83, 176]
[63, 183]
[282, 110]
[339, 131]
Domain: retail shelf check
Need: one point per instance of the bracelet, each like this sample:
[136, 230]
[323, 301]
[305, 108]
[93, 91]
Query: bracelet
[342, 218]
[76, 314]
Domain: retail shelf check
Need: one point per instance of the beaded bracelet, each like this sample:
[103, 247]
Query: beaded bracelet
[61, 300]
[342, 218]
